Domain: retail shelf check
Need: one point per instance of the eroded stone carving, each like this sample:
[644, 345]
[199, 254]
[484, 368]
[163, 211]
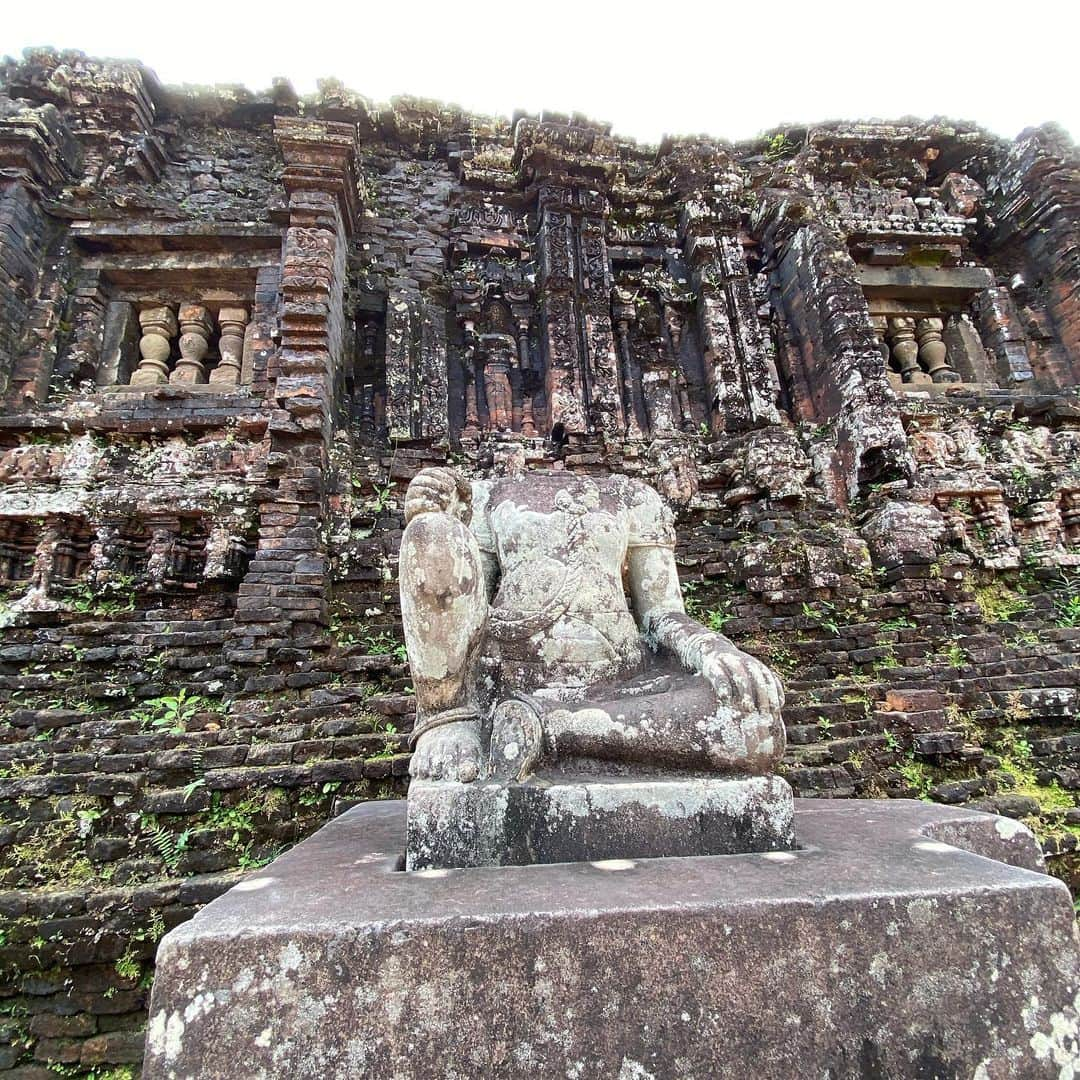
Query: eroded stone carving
[546, 629]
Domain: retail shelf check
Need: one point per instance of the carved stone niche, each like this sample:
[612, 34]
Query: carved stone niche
[18, 542]
[1070, 521]
[191, 346]
[186, 560]
[1040, 530]
[649, 336]
[71, 555]
[365, 384]
[501, 377]
[923, 320]
[126, 548]
[185, 305]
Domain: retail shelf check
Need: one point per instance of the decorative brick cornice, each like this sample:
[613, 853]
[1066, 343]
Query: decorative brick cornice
[320, 155]
[37, 148]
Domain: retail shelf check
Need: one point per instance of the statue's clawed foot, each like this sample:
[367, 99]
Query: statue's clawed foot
[449, 752]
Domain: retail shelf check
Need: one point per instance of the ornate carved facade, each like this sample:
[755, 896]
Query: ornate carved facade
[234, 325]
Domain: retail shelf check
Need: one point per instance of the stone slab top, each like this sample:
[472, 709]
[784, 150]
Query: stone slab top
[346, 874]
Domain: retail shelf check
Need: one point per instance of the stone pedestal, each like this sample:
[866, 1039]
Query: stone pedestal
[891, 943]
[581, 818]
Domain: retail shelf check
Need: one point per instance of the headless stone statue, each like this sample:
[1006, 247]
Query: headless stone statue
[548, 640]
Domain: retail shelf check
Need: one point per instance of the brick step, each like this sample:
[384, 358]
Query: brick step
[837, 750]
[833, 711]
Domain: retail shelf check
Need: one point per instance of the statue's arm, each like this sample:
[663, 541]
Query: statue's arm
[653, 579]
[443, 614]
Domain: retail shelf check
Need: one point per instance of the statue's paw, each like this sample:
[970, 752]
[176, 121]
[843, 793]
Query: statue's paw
[756, 738]
[451, 752]
[743, 681]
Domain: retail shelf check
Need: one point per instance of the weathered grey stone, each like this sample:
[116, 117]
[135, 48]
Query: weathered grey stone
[543, 615]
[582, 818]
[878, 949]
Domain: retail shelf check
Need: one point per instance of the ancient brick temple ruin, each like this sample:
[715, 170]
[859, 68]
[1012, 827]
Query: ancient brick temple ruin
[233, 326]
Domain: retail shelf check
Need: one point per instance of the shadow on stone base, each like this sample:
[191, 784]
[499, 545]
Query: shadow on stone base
[880, 948]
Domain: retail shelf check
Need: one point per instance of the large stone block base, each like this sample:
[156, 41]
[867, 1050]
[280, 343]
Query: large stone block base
[880, 948]
[577, 819]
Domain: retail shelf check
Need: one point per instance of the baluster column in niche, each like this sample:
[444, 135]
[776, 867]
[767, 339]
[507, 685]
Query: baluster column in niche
[159, 327]
[195, 329]
[233, 322]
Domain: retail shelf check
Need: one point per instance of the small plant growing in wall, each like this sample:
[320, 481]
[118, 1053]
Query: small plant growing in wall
[916, 777]
[1067, 602]
[114, 595]
[718, 617]
[173, 711]
[780, 147]
[998, 603]
[824, 615]
[955, 655]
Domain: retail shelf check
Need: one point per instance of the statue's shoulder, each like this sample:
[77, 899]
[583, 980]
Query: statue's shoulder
[652, 523]
[632, 493]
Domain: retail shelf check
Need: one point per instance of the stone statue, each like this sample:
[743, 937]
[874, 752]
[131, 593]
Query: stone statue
[545, 626]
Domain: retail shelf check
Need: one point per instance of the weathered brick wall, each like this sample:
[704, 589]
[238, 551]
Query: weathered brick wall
[201, 657]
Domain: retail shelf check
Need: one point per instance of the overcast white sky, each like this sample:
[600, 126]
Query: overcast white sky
[729, 70]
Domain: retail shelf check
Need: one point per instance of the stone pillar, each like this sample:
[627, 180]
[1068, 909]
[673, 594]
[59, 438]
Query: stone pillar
[87, 314]
[416, 366]
[835, 351]
[233, 323]
[1070, 517]
[159, 327]
[1041, 532]
[37, 156]
[997, 539]
[566, 390]
[1000, 328]
[525, 368]
[283, 596]
[103, 551]
[120, 342]
[1037, 213]
[632, 393]
[195, 329]
[602, 367]
[260, 340]
[163, 532]
[45, 556]
[738, 372]
[468, 364]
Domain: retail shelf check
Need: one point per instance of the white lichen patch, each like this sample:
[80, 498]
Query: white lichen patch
[1060, 1045]
[921, 912]
[634, 1070]
[165, 1035]
[290, 958]
[1007, 828]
